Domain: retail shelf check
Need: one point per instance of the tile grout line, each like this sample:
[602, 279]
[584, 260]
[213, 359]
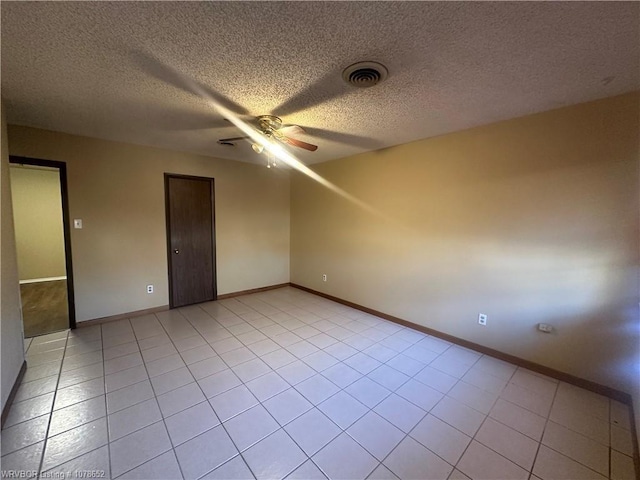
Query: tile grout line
[138, 403]
[341, 389]
[408, 434]
[459, 379]
[481, 424]
[369, 409]
[610, 441]
[82, 424]
[281, 427]
[372, 409]
[222, 423]
[155, 397]
[162, 415]
[571, 458]
[544, 428]
[258, 441]
[314, 406]
[106, 409]
[53, 402]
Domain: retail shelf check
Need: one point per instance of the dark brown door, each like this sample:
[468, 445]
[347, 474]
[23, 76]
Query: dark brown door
[190, 239]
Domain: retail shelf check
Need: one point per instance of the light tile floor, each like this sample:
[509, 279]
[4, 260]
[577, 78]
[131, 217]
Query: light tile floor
[287, 384]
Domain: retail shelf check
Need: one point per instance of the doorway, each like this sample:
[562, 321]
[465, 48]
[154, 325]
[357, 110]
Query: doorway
[41, 218]
[191, 253]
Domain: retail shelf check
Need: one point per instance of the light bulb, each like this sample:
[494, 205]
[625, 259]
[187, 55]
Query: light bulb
[257, 147]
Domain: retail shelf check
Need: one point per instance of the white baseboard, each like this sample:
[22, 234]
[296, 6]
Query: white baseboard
[38, 280]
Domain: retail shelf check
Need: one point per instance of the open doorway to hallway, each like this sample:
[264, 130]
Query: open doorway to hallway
[38, 189]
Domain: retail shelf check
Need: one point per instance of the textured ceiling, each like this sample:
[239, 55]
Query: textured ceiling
[106, 69]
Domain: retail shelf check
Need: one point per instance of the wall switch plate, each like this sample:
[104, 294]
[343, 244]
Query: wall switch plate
[482, 319]
[149, 288]
[77, 223]
[324, 277]
[545, 327]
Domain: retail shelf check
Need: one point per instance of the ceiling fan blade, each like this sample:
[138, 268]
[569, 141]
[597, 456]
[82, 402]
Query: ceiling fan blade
[291, 130]
[167, 74]
[234, 139]
[298, 143]
[345, 138]
[188, 124]
[327, 88]
[169, 119]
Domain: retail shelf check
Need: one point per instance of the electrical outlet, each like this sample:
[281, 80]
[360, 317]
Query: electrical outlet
[545, 327]
[482, 319]
[324, 277]
[149, 288]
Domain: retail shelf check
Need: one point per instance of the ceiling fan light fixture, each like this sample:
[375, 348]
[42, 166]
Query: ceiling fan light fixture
[257, 147]
[365, 74]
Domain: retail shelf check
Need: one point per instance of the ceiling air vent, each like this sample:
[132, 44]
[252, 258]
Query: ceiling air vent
[365, 74]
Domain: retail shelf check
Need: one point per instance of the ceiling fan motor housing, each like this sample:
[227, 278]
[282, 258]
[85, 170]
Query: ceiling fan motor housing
[269, 123]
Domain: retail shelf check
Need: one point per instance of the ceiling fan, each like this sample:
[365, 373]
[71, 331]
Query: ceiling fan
[272, 128]
[361, 74]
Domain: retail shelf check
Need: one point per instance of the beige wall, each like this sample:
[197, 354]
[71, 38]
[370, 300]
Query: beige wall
[529, 220]
[11, 333]
[118, 191]
[37, 213]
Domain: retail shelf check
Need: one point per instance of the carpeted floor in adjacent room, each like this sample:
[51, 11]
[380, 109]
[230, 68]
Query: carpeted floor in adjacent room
[44, 307]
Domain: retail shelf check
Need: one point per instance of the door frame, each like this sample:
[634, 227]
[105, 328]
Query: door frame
[211, 181]
[66, 223]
